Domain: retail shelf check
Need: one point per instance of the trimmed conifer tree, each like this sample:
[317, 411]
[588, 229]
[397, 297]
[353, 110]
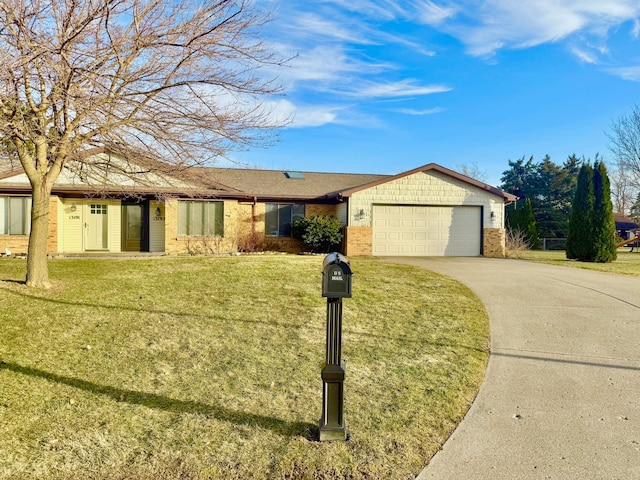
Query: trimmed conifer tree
[529, 225]
[604, 225]
[580, 239]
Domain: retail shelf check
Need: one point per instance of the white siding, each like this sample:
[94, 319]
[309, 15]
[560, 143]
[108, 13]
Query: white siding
[72, 222]
[156, 226]
[425, 188]
[60, 223]
[115, 225]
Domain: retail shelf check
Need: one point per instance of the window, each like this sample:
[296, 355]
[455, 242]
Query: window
[14, 215]
[200, 218]
[98, 209]
[278, 218]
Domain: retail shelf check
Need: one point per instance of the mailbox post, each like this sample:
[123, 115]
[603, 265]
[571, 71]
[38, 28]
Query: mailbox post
[336, 285]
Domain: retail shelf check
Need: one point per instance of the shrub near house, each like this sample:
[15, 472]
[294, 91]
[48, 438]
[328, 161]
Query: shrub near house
[320, 234]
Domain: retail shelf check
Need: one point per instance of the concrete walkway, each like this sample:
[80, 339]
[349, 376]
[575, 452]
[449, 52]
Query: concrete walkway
[561, 397]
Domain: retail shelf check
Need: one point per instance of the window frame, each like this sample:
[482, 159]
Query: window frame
[203, 218]
[9, 225]
[278, 218]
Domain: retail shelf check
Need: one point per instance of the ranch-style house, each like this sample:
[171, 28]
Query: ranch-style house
[429, 210]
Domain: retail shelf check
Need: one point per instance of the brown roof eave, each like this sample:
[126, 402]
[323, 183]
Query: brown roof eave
[123, 191]
[292, 198]
[83, 190]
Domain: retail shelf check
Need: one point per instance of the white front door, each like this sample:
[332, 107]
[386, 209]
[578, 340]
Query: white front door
[97, 227]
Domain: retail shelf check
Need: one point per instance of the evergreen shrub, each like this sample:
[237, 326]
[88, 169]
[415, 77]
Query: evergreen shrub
[321, 233]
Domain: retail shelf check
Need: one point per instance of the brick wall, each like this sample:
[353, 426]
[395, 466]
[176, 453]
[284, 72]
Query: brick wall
[234, 214]
[494, 242]
[358, 241]
[17, 244]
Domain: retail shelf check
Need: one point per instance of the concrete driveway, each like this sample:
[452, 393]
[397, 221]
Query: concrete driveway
[561, 397]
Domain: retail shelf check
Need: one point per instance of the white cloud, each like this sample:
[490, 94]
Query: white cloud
[584, 56]
[378, 9]
[631, 73]
[299, 116]
[428, 111]
[316, 26]
[489, 26]
[324, 64]
[403, 88]
[431, 14]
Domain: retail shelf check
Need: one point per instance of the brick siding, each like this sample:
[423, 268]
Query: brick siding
[358, 241]
[494, 242]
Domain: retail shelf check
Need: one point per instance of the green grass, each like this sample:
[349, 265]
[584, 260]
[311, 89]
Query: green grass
[627, 263]
[209, 368]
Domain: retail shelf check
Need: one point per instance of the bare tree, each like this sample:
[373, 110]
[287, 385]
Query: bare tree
[472, 170]
[623, 190]
[624, 143]
[178, 80]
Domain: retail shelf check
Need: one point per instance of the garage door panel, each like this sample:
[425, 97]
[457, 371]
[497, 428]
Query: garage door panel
[426, 230]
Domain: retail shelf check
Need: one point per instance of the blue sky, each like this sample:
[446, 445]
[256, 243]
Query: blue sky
[384, 86]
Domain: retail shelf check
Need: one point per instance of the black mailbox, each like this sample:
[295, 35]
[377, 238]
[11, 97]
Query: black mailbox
[336, 276]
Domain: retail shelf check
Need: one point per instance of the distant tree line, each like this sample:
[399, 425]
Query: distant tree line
[571, 201]
[545, 190]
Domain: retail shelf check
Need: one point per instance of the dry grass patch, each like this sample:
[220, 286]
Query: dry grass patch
[627, 263]
[209, 368]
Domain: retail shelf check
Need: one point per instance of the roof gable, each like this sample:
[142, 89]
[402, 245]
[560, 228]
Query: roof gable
[437, 168]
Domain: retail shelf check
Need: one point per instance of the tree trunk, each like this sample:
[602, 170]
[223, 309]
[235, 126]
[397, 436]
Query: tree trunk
[37, 267]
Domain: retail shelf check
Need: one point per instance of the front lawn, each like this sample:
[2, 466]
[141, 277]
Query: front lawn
[209, 368]
[627, 263]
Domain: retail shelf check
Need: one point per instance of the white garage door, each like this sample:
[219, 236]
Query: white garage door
[426, 231]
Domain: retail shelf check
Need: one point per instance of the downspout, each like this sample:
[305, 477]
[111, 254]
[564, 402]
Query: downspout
[254, 238]
[345, 240]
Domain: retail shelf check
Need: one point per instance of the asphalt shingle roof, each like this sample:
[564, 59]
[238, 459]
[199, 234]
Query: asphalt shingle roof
[276, 183]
